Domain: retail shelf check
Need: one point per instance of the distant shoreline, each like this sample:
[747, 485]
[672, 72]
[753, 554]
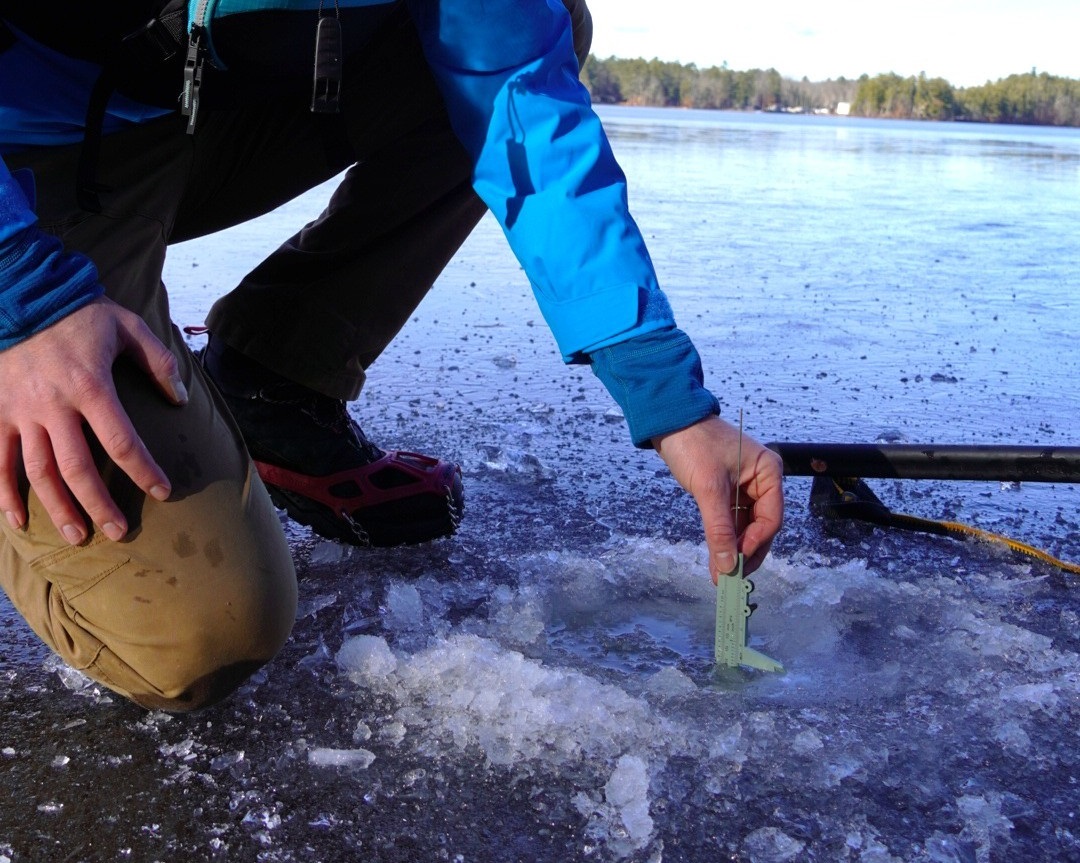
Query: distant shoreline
[1032, 98]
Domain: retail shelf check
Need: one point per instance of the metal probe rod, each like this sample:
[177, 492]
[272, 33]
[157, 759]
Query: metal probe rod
[931, 461]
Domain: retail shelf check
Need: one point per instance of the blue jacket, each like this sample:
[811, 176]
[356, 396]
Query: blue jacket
[542, 164]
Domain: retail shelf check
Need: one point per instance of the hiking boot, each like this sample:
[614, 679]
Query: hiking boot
[320, 467]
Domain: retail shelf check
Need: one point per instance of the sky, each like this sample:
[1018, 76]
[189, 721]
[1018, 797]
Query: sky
[967, 42]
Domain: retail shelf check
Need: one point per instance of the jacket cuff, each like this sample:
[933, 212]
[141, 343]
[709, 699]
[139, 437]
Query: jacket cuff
[42, 283]
[658, 382]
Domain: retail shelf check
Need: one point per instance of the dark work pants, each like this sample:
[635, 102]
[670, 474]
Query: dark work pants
[323, 307]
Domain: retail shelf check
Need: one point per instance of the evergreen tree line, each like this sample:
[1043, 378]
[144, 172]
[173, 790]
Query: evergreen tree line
[1039, 99]
[655, 82]
[1032, 99]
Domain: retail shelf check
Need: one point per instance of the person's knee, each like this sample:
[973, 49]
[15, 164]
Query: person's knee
[204, 691]
[219, 645]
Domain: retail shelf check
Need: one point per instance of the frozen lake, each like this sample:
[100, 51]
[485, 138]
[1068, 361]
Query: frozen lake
[539, 687]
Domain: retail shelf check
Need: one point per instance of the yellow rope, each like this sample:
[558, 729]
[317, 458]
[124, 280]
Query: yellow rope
[978, 533]
[877, 513]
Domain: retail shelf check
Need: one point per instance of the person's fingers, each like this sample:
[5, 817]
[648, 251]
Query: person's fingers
[79, 472]
[765, 489]
[756, 540]
[60, 380]
[121, 442]
[753, 561]
[11, 502]
[44, 477]
[703, 458]
[150, 353]
[718, 521]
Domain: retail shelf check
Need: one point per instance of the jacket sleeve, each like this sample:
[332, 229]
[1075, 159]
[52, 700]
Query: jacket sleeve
[545, 169]
[543, 165]
[40, 282]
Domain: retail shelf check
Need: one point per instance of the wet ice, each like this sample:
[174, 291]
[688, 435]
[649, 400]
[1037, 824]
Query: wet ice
[540, 687]
[325, 756]
[884, 673]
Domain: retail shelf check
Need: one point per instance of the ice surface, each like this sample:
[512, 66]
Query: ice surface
[311, 607]
[627, 791]
[513, 461]
[599, 667]
[771, 845]
[669, 682]
[368, 658]
[928, 714]
[323, 756]
[472, 693]
[226, 760]
[72, 678]
[520, 682]
[75, 681]
[328, 552]
[404, 610]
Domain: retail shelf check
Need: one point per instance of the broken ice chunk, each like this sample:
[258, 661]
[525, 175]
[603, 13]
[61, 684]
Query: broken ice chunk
[324, 756]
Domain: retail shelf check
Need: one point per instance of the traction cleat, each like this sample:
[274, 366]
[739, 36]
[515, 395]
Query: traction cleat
[320, 467]
[403, 498]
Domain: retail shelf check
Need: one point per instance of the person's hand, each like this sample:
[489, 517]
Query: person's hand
[704, 459]
[53, 383]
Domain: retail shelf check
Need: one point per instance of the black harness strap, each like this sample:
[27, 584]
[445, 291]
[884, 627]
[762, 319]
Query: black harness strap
[151, 45]
[87, 188]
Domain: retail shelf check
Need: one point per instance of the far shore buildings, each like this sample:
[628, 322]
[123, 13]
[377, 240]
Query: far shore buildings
[842, 109]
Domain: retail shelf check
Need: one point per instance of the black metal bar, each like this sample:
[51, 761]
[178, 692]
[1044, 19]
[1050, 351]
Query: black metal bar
[931, 461]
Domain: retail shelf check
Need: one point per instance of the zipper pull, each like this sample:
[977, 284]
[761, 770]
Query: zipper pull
[193, 72]
[326, 95]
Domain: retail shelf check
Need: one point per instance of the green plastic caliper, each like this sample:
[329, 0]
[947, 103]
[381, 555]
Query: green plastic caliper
[733, 611]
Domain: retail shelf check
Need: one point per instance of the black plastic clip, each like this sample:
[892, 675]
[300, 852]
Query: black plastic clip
[157, 41]
[193, 72]
[326, 95]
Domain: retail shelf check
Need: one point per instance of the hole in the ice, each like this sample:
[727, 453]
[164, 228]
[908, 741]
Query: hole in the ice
[637, 637]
